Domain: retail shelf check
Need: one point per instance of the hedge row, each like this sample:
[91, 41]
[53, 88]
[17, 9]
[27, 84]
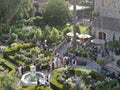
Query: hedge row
[53, 82]
[40, 87]
[9, 65]
[14, 49]
[57, 86]
[18, 62]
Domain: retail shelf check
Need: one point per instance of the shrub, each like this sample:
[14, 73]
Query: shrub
[78, 73]
[40, 87]
[8, 65]
[54, 84]
[13, 38]
[95, 75]
[100, 62]
[118, 62]
[60, 79]
[14, 49]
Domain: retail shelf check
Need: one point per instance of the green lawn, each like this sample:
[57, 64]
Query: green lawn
[70, 27]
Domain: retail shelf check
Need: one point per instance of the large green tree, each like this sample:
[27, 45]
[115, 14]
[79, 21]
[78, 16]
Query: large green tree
[56, 12]
[54, 35]
[8, 82]
[11, 10]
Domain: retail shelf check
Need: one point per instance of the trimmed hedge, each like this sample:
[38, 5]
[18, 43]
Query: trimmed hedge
[14, 49]
[18, 62]
[40, 87]
[78, 71]
[54, 84]
[9, 65]
[96, 75]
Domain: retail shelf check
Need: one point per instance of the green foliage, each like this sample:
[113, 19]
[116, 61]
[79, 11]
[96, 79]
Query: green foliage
[40, 87]
[38, 35]
[54, 84]
[100, 62]
[13, 38]
[8, 82]
[14, 49]
[89, 80]
[78, 28]
[95, 75]
[27, 32]
[54, 35]
[38, 21]
[56, 12]
[10, 11]
[8, 65]
[118, 62]
[81, 51]
[4, 29]
[78, 73]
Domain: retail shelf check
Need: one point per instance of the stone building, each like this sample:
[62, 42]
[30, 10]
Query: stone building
[107, 23]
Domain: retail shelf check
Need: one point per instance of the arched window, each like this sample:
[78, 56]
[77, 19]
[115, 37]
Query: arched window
[102, 35]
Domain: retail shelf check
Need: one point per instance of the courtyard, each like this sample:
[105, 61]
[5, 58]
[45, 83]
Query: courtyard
[48, 45]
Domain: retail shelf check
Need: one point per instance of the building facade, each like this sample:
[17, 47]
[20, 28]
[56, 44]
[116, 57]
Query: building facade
[107, 24]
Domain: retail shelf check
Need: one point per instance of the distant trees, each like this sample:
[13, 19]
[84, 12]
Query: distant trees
[56, 12]
[11, 10]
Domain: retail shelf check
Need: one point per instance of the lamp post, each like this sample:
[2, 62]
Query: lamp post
[74, 24]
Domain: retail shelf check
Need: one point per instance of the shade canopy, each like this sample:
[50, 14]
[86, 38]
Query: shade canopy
[97, 41]
[82, 36]
[78, 7]
[71, 34]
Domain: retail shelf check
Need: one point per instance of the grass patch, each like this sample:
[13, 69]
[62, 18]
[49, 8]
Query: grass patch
[70, 27]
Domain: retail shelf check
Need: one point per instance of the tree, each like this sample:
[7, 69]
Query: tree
[8, 82]
[38, 35]
[16, 9]
[54, 35]
[47, 32]
[13, 38]
[56, 12]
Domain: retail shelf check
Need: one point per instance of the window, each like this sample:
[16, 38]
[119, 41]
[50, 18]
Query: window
[102, 2]
[114, 3]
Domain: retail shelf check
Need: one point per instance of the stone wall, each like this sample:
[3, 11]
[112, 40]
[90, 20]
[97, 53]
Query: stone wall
[109, 8]
[109, 34]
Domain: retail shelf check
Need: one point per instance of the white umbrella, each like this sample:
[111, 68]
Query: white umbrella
[79, 7]
[84, 36]
[71, 34]
[98, 41]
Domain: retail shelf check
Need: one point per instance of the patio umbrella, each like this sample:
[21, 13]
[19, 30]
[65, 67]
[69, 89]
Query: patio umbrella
[78, 7]
[71, 34]
[98, 41]
[84, 36]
